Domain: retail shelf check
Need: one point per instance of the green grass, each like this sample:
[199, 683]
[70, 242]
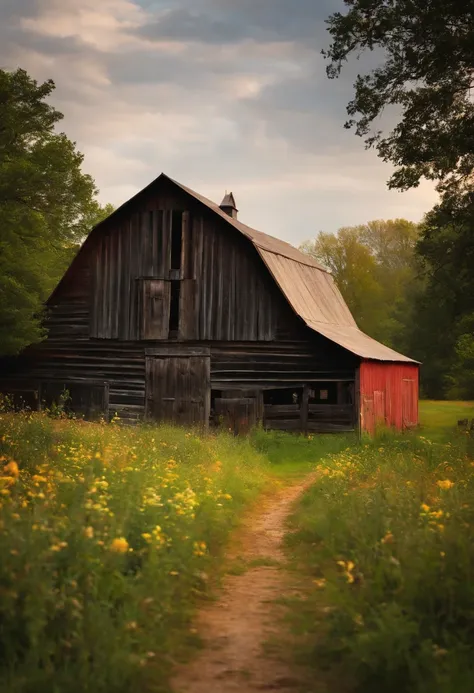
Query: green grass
[438, 418]
[293, 456]
[108, 537]
[385, 539]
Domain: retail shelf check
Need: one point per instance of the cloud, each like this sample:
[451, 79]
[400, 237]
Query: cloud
[226, 95]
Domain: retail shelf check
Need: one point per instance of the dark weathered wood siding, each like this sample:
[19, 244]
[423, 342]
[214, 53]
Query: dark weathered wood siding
[226, 293]
[100, 321]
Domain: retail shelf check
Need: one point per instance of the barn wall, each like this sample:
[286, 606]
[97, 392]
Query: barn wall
[228, 302]
[388, 394]
[120, 367]
[226, 293]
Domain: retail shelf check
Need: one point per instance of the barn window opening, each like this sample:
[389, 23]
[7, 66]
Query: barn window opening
[324, 393]
[215, 394]
[176, 240]
[174, 309]
[283, 396]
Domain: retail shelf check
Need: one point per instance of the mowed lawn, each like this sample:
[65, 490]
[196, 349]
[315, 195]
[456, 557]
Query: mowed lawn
[437, 415]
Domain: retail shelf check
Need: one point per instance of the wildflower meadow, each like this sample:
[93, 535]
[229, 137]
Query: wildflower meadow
[108, 536]
[385, 538]
[111, 536]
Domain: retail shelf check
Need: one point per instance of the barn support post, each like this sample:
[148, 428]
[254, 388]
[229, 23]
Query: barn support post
[304, 409]
[357, 405]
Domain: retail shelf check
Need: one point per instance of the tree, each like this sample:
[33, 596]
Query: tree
[425, 54]
[47, 205]
[426, 67]
[374, 268]
[443, 322]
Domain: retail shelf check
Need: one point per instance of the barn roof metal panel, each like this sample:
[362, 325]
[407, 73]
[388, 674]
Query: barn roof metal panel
[357, 342]
[312, 294]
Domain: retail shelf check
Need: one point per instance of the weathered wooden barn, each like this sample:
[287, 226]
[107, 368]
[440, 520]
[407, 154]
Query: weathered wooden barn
[175, 310]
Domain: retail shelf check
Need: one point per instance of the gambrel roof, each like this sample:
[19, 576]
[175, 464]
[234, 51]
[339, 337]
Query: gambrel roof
[309, 288]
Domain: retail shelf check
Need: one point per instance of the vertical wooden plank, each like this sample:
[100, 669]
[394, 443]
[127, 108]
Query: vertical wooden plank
[115, 270]
[232, 279]
[134, 273]
[187, 310]
[203, 334]
[159, 261]
[117, 325]
[304, 409]
[105, 297]
[94, 302]
[186, 247]
[125, 283]
[219, 281]
[167, 222]
[209, 308]
[198, 236]
[358, 423]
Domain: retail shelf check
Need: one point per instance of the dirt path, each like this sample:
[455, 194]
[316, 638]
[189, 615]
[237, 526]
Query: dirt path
[236, 628]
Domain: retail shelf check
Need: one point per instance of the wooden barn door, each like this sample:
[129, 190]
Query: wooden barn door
[154, 308]
[368, 415]
[178, 386]
[379, 407]
[408, 403]
[237, 414]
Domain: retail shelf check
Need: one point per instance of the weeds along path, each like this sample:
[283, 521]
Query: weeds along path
[237, 628]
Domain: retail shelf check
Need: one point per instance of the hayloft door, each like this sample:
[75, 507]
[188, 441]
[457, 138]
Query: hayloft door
[155, 308]
[178, 385]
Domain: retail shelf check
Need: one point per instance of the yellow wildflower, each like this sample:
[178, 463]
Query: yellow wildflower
[119, 545]
[12, 469]
[200, 548]
[388, 538]
[320, 583]
[59, 546]
[445, 484]
[425, 508]
[89, 532]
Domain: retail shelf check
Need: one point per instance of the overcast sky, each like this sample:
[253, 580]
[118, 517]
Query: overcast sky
[219, 94]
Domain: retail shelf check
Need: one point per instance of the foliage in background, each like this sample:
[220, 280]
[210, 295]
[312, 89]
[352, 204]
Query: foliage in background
[443, 324]
[375, 269]
[47, 205]
[423, 76]
[386, 535]
[425, 70]
[107, 537]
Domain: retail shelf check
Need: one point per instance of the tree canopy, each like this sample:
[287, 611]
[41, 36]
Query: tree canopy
[424, 57]
[374, 267]
[425, 53]
[47, 205]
